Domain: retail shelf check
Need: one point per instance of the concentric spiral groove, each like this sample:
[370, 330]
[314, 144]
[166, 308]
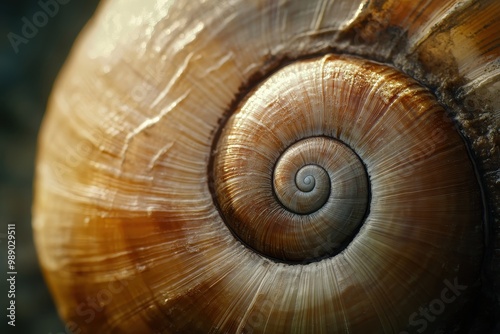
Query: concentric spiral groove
[314, 189]
[312, 181]
[303, 181]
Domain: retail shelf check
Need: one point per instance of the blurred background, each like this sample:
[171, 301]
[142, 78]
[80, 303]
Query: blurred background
[30, 58]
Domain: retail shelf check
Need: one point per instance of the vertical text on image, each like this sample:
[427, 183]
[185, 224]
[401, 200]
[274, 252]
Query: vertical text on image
[11, 274]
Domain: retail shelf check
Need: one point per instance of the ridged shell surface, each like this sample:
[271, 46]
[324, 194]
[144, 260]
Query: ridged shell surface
[164, 109]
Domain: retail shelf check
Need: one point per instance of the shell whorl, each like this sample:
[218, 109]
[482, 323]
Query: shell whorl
[177, 171]
[308, 190]
[311, 170]
[343, 118]
[317, 190]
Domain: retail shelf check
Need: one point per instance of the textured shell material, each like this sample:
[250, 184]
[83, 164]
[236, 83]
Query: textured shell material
[124, 217]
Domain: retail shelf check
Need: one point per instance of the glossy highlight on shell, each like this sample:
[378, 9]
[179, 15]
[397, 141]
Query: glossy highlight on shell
[272, 167]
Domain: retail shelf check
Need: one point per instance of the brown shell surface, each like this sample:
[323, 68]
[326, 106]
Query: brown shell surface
[128, 221]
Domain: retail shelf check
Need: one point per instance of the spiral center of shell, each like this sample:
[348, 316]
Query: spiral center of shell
[301, 184]
[285, 187]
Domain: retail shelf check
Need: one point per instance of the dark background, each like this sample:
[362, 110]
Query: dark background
[26, 79]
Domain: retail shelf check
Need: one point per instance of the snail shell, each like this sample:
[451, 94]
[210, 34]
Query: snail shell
[219, 167]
